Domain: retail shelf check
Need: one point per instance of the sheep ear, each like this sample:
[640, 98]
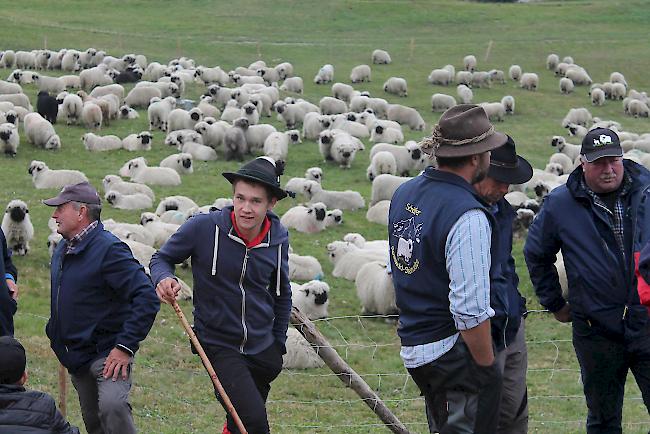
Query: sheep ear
[306, 292]
[309, 211]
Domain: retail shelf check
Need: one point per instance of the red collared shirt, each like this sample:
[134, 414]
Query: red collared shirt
[266, 226]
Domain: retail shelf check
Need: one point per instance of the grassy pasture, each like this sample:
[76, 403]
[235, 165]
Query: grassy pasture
[171, 393]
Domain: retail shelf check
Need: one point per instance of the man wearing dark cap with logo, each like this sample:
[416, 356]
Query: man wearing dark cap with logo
[23, 410]
[242, 297]
[103, 306]
[600, 220]
[442, 248]
[506, 168]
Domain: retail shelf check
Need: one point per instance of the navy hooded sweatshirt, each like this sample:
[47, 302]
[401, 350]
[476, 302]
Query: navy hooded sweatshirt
[242, 296]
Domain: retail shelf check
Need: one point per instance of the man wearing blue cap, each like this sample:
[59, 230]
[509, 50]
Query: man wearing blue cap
[103, 305]
[600, 220]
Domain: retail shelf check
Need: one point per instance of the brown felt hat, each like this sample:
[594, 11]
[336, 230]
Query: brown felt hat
[463, 130]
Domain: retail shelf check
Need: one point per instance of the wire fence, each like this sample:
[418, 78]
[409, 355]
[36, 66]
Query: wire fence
[314, 400]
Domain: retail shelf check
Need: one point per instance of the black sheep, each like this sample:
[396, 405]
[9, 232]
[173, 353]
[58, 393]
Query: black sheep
[47, 106]
[128, 76]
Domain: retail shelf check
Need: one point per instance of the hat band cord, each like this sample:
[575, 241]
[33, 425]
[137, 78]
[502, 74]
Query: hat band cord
[430, 144]
[505, 165]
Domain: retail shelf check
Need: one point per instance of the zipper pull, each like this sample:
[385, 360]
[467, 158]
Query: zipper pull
[625, 311]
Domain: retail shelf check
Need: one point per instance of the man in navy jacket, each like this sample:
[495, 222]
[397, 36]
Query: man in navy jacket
[242, 296]
[103, 305]
[8, 290]
[600, 220]
[506, 168]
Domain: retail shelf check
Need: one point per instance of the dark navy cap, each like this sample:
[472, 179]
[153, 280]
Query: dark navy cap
[601, 142]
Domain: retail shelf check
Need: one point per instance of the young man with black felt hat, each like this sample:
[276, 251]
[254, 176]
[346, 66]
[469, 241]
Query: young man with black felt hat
[600, 220]
[242, 296]
[440, 235]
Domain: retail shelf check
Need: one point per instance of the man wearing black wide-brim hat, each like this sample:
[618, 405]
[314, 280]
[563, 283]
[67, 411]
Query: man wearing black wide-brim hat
[242, 296]
[506, 168]
[440, 235]
[600, 220]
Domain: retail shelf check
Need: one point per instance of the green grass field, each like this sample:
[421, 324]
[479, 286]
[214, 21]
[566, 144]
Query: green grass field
[171, 393]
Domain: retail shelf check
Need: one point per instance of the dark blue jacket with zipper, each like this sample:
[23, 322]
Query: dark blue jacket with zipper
[101, 298]
[602, 282]
[242, 296]
[8, 305]
[508, 304]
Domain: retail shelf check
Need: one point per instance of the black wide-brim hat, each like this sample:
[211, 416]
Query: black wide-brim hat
[508, 167]
[262, 170]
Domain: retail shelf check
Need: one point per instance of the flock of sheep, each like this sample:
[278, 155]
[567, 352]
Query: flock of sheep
[229, 122]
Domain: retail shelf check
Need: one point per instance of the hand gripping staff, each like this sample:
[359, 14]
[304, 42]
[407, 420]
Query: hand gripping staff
[209, 368]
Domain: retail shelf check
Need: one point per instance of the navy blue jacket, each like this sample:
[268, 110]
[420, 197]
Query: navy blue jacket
[505, 299]
[422, 212]
[242, 296]
[30, 412]
[101, 298]
[602, 287]
[8, 305]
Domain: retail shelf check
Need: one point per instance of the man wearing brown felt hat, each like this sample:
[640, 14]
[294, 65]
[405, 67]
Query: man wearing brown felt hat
[441, 239]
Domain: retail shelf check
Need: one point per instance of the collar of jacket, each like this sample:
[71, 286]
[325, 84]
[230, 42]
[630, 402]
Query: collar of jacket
[10, 388]
[639, 180]
[85, 241]
[452, 178]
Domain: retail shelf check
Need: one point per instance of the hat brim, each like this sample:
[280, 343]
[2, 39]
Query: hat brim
[520, 174]
[55, 201]
[493, 141]
[277, 192]
[612, 152]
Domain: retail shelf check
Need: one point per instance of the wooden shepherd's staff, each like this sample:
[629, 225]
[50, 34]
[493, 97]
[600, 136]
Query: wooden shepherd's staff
[209, 368]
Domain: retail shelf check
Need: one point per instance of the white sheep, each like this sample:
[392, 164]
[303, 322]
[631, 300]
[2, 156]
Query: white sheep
[8, 88]
[360, 241]
[384, 186]
[93, 142]
[138, 142]
[382, 162]
[307, 219]
[495, 110]
[91, 115]
[235, 140]
[166, 88]
[552, 61]
[40, 132]
[617, 77]
[304, 267]
[277, 144]
[180, 119]
[348, 258]
[285, 70]
[638, 108]
[441, 102]
[408, 157]
[333, 217]
[17, 99]
[71, 109]
[325, 74]
[329, 105]
[115, 183]
[158, 113]
[206, 107]
[571, 150]
[566, 85]
[311, 298]
[313, 124]
[347, 199]
[378, 213]
[382, 134]
[406, 116]
[93, 77]
[141, 96]
[9, 139]
[375, 289]
[465, 94]
[579, 116]
[344, 148]
[441, 77]
[381, 57]
[17, 227]
[175, 203]
[179, 137]
[44, 177]
[360, 73]
[296, 185]
[249, 111]
[130, 201]
[529, 81]
[481, 79]
[598, 97]
[129, 231]
[199, 151]
[469, 63]
[349, 125]
[49, 84]
[256, 135]
[161, 231]
[464, 77]
[293, 84]
[579, 76]
[343, 92]
[515, 72]
[396, 86]
[563, 160]
[181, 163]
[508, 103]
[143, 174]
[290, 114]
[300, 354]
[618, 91]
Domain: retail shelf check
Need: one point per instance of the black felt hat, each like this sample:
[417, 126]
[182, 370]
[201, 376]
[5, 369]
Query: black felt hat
[12, 360]
[508, 167]
[263, 170]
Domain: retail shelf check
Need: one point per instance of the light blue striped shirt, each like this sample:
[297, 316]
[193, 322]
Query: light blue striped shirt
[467, 254]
